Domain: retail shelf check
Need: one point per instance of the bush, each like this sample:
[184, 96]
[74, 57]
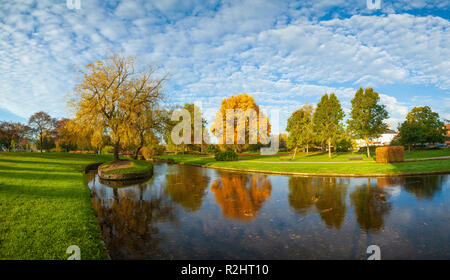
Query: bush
[108, 150]
[159, 150]
[390, 154]
[226, 156]
[344, 144]
[147, 152]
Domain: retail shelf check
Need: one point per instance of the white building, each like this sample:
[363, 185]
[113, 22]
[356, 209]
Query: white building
[384, 140]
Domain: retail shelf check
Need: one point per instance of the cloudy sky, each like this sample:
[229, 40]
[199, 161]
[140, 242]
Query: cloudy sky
[284, 53]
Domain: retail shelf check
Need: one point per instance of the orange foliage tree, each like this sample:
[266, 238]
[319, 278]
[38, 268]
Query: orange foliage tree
[243, 106]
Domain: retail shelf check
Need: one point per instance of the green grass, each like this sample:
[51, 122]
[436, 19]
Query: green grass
[45, 206]
[417, 154]
[137, 166]
[311, 157]
[340, 168]
[311, 164]
[189, 159]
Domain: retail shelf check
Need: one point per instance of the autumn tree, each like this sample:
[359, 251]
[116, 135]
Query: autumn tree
[12, 132]
[422, 125]
[64, 135]
[300, 128]
[367, 116]
[241, 131]
[40, 122]
[327, 119]
[144, 128]
[112, 95]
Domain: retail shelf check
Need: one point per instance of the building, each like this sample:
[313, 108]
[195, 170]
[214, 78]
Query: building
[384, 140]
[447, 135]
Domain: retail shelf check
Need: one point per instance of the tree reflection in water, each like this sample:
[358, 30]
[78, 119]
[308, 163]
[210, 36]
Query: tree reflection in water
[424, 187]
[187, 187]
[128, 222]
[241, 196]
[326, 194]
[371, 207]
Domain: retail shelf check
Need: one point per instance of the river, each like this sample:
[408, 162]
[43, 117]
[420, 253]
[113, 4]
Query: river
[187, 212]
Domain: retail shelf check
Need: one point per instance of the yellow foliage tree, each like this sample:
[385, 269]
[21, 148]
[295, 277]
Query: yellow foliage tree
[111, 96]
[242, 105]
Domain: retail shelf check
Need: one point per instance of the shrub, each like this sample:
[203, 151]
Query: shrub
[390, 154]
[147, 152]
[226, 156]
[108, 150]
[159, 149]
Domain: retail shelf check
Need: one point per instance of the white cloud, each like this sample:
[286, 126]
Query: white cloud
[282, 53]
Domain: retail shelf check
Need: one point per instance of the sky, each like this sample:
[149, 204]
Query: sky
[283, 53]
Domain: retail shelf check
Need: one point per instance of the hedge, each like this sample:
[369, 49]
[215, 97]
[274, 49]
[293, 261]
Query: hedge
[226, 156]
[390, 154]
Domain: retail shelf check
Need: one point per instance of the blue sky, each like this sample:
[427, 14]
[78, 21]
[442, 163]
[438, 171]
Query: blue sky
[284, 53]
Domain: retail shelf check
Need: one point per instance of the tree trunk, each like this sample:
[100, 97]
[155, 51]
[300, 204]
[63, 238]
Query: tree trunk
[368, 149]
[307, 149]
[409, 148]
[41, 142]
[295, 151]
[329, 147]
[136, 154]
[116, 151]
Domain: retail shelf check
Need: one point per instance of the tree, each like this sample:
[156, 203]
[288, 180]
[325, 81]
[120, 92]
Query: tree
[243, 105]
[110, 96]
[367, 116]
[191, 108]
[12, 133]
[300, 128]
[327, 119]
[143, 129]
[40, 122]
[422, 125]
[64, 136]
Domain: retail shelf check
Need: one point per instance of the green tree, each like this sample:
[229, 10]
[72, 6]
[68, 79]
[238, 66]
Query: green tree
[367, 116]
[39, 123]
[327, 119]
[300, 128]
[422, 125]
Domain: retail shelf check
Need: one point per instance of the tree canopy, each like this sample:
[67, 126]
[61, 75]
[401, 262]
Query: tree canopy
[243, 105]
[111, 98]
[300, 128]
[367, 116]
[421, 126]
[327, 119]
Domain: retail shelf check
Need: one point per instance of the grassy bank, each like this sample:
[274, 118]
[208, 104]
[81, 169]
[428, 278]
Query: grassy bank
[136, 166]
[304, 164]
[45, 206]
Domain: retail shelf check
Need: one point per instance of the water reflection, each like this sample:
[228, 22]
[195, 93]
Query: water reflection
[129, 222]
[241, 196]
[187, 187]
[371, 206]
[187, 212]
[326, 194]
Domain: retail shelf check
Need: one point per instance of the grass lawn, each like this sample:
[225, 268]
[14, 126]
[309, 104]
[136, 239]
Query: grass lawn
[136, 166]
[45, 206]
[309, 164]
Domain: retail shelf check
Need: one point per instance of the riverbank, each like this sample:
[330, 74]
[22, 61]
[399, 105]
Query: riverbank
[318, 165]
[125, 170]
[45, 206]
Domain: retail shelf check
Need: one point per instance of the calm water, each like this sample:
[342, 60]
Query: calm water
[187, 212]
